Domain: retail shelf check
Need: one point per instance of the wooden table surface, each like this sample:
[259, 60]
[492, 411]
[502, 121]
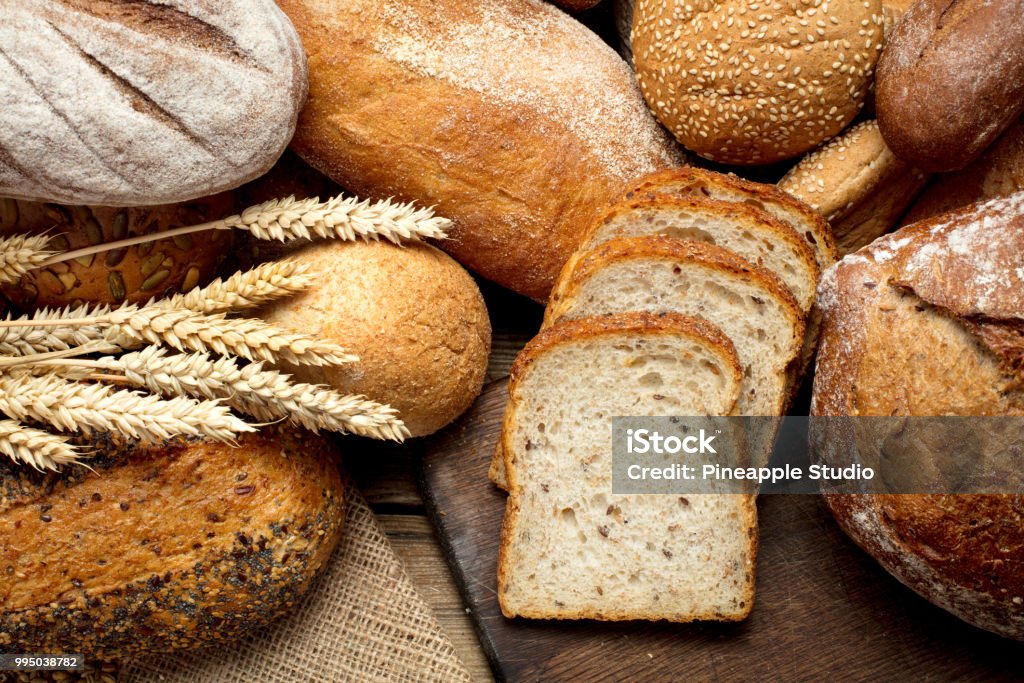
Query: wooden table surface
[387, 478]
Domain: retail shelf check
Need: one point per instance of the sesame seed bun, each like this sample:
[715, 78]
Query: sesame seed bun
[754, 83]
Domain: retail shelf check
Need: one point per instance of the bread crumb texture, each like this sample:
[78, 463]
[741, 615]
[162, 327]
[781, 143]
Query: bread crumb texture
[751, 82]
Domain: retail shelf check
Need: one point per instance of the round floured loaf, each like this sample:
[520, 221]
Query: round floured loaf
[508, 116]
[135, 103]
[414, 317]
[753, 83]
[927, 321]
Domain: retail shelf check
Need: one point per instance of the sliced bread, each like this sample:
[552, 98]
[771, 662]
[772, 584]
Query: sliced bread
[572, 549]
[697, 182]
[745, 230]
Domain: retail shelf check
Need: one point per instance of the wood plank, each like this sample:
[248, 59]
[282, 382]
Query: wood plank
[823, 609]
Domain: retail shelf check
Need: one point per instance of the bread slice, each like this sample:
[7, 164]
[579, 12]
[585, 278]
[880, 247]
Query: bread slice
[745, 230]
[572, 549]
[698, 182]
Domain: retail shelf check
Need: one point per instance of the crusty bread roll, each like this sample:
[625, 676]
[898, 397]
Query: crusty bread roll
[413, 316]
[999, 172]
[164, 548]
[145, 102]
[927, 321]
[751, 83]
[508, 116]
[857, 184]
[132, 275]
[951, 80]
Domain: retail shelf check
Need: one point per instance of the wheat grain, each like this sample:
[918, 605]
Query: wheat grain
[259, 285]
[264, 394]
[343, 218]
[77, 406]
[22, 253]
[34, 447]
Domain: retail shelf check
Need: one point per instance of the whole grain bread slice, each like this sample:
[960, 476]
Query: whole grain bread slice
[572, 549]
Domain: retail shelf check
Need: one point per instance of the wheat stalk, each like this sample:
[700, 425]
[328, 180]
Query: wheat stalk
[266, 395]
[22, 253]
[41, 450]
[345, 218]
[77, 406]
[259, 285]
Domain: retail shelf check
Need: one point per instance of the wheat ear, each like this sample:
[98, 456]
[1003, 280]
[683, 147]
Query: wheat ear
[77, 406]
[264, 394]
[22, 253]
[45, 331]
[259, 285]
[41, 450]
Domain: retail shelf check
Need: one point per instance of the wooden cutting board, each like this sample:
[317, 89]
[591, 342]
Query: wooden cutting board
[823, 607]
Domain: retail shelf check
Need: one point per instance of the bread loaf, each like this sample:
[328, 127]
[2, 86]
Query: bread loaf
[927, 321]
[857, 184]
[134, 103]
[412, 315]
[950, 80]
[132, 275]
[751, 83]
[508, 116]
[164, 548]
[998, 172]
[570, 548]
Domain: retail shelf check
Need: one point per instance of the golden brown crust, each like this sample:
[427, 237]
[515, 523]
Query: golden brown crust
[692, 181]
[469, 107]
[132, 275]
[999, 172]
[164, 548]
[900, 337]
[949, 81]
[414, 317]
[750, 83]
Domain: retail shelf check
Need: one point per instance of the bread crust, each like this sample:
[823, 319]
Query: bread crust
[508, 116]
[164, 548]
[949, 81]
[566, 332]
[857, 184]
[695, 181]
[744, 83]
[911, 328]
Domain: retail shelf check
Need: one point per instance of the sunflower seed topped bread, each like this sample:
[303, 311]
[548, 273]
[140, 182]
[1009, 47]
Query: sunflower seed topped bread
[927, 321]
[508, 116]
[726, 187]
[570, 548]
[857, 184]
[744, 82]
[166, 547]
[145, 102]
[745, 230]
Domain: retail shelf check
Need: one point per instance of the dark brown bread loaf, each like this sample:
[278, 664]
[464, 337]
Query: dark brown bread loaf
[928, 321]
[509, 116]
[950, 79]
[144, 102]
[164, 548]
[132, 275]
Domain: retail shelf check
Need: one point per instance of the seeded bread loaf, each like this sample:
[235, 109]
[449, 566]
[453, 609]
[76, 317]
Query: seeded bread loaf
[998, 172]
[509, 116]
[754, 83]
[414, 317]
[132, 275]
[951, 80]
[857, 184]
[134, 103]
[927, 321]
[164, 548]
[570, 548]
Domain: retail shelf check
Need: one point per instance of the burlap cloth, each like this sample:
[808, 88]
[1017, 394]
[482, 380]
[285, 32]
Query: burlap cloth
[362, 621]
